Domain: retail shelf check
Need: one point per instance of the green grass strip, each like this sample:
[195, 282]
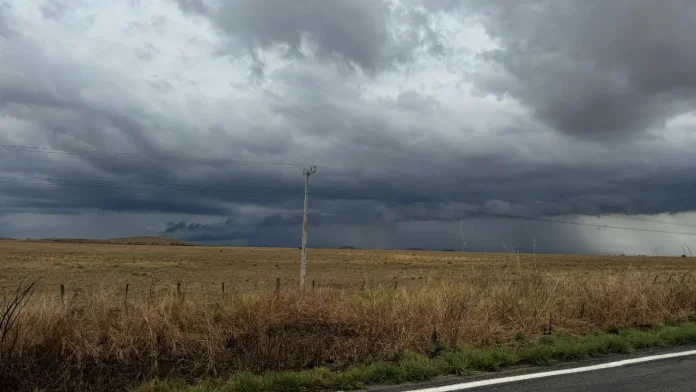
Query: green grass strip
[412, 367]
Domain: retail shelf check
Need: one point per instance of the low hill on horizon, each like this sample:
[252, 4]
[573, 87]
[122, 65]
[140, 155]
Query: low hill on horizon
[152, 241]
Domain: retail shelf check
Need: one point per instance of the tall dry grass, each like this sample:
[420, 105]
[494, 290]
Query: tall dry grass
[97, 342]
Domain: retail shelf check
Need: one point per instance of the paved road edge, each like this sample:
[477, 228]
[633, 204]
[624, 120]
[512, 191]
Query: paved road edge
[450, 384]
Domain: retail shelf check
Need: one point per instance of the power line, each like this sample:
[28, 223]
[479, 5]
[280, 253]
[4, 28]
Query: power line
[548, 220]
[552, 220]
[183, 187]
[219, 161]
[400, 203]
[265, 191]
[659, 222]
[50, 150]
[122, 184]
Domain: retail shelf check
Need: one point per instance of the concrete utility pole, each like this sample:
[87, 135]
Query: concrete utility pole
[303, 265]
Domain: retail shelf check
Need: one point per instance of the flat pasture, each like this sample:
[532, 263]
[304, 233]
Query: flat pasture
[144, 313]
[89, 267]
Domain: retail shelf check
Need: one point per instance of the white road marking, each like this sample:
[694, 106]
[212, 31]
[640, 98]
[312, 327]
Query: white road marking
[506, 380]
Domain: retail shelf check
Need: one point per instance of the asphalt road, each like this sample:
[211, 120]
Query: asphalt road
[654, 370]
[669, 375]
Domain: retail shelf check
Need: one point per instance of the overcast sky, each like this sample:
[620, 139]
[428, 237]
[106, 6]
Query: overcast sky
[424, 117]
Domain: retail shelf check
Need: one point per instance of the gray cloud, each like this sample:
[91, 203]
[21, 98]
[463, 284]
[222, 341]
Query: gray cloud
[5, 30]
[195, 6]
[594, 69]
[371, 34]
[399, 149]
[54, 9]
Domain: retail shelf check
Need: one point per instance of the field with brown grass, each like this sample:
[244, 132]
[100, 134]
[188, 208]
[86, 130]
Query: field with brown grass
[365, 305]
[87, 267]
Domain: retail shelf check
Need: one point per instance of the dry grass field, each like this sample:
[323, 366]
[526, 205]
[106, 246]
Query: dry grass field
[84, 268]
[366, 306]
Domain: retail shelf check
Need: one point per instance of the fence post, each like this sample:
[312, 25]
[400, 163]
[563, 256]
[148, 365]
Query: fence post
[313, 285]
[396, 283]
[277, 289]
[151, 291]
[62, 293]
[548, 328]
[223, 287]
[125, 299]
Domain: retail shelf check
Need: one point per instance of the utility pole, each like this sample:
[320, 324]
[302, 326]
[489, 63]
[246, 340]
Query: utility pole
[303, 265]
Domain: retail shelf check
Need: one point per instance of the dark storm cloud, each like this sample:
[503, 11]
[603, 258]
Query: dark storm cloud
[398, 164]
[342, 213]
[422, 181]
[470, 234]
[66, 200]
[65, 120]
[256, 229]
[351, 31]
[594, 69]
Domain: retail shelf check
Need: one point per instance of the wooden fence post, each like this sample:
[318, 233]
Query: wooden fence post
[151, 291]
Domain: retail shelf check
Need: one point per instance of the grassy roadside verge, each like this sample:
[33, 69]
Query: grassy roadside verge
[412, 367]
[105, 341]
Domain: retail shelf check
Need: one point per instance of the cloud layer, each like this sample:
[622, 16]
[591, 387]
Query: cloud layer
[419, 114]
[595, 69]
